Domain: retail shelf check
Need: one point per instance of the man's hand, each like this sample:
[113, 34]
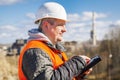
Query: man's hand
[87, 60]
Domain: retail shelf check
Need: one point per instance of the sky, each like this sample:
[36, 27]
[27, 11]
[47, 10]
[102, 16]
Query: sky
[18, 16]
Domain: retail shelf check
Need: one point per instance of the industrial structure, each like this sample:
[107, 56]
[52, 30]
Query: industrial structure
[93, 31]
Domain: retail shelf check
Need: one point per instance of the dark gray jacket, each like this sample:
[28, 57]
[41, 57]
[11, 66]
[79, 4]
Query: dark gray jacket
[38, 66]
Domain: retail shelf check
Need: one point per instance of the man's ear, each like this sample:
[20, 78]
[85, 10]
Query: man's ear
[45, 23]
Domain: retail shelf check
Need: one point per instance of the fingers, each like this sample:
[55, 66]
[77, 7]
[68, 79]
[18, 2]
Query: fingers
[87, 59]
[88, 71]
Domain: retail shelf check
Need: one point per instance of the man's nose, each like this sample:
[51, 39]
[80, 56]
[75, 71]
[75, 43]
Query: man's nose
[64, 28]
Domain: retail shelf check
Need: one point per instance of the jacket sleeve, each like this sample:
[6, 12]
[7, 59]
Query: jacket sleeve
[38, 66]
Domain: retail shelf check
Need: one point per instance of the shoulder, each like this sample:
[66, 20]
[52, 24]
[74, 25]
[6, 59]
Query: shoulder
[35, 54]
[36, 61]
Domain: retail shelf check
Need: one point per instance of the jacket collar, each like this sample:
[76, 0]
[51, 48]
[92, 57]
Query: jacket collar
[57, 48]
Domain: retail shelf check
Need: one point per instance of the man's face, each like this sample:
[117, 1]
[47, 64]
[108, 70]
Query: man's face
[55, 31]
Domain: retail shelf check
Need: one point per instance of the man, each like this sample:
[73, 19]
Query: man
[43, 58]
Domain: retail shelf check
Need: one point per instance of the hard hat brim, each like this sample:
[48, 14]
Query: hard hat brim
[38, 21]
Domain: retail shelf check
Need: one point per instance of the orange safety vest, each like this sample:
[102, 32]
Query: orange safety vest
[56, 60]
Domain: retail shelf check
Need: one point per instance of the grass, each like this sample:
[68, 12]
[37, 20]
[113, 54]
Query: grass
[8, 67]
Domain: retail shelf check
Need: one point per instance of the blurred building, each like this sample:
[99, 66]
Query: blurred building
[16, 47]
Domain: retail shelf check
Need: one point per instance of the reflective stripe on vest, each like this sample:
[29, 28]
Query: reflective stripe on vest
[56, 60]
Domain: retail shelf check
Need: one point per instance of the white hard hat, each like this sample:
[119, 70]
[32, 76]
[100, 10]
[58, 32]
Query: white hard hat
[51, 10]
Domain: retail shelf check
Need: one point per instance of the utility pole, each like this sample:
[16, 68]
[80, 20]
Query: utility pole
[93, 31]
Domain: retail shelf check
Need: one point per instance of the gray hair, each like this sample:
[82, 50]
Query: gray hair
[49, 20]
